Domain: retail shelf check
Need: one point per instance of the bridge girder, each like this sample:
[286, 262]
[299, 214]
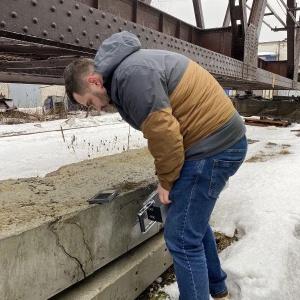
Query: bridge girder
[39, 37]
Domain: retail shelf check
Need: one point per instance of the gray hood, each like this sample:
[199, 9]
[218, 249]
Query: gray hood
[113, 50]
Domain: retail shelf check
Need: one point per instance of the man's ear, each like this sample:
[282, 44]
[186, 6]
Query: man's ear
[94, 79]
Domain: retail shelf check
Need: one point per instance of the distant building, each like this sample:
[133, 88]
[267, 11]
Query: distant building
[4, 90]
[272, 50]
[30, 95]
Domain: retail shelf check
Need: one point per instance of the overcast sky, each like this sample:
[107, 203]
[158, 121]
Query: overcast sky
[214, 12]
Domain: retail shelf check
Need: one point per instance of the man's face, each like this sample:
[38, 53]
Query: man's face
[96, 98]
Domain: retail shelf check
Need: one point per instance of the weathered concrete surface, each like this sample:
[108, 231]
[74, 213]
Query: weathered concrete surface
[51, 237]
[125, 278]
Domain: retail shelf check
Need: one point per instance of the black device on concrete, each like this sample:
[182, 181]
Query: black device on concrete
[104, 196]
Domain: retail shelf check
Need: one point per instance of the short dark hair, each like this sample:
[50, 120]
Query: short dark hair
[74, 77]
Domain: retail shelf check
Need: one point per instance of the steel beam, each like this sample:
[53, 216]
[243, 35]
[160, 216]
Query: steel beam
[226, 21]
[297, 56]
[25, 78]
[273, 12]
[36, 64]
[79, 29]
[276, 67]
[290, 24]
[198, 13]
[251, 39]
[238, 18]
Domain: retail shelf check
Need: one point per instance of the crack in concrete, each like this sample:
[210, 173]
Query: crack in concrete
[85, 242]
[52, 229]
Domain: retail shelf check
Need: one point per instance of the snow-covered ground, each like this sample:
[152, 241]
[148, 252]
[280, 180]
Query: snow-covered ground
[35, 149]
[261, 204]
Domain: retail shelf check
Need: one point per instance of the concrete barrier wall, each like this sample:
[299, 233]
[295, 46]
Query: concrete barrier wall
[51, 237]
[38, 263]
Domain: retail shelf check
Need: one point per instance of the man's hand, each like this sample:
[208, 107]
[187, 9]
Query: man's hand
[163, 195]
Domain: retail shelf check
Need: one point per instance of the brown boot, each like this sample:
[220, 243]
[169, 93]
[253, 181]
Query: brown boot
[223, 296]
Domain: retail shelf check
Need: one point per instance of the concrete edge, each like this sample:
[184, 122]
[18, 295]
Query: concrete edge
[125, 278]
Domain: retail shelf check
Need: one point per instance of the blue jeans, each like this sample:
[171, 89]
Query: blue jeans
[187, 232]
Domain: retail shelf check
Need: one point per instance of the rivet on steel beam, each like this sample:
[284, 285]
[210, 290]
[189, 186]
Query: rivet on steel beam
[151, 31]
[139, 35]
[97, 36]
[3, 24]
[61, 1]
[45, 32]
[165, 37]
[115, 19]
[194, 52]
[103, 15]
[154, 40]
[183, 49]
[84, 33]
[168, 45]
[83, 18]
[91, 44]
[162, 42]
[34, 2]
[143, 28]
[52, 8]
[125, 22]
[134, 26]
[70, 29]
[25, 29]
[97, 22]
[77, 6]
[53, 25]
[77, 41]
[34, 20]
[172, 39]
[120, 29]
[61, 37]
[147, 38]
[14, 14]
[109, 25]
[181, 42]
[69, 14]
[91, 10]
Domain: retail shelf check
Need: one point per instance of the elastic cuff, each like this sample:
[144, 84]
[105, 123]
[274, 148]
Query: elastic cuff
[166, 185]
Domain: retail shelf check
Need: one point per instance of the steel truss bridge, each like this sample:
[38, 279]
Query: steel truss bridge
[38, 38]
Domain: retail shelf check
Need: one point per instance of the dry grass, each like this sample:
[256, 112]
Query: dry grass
[262, 156]
[259, 157]
[284, 152]
[19, 117]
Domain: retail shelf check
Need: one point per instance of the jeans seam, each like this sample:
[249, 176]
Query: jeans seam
[183, 228]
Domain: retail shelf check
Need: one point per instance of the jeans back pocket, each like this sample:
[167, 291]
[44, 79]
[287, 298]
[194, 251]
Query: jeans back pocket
[222, 170]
